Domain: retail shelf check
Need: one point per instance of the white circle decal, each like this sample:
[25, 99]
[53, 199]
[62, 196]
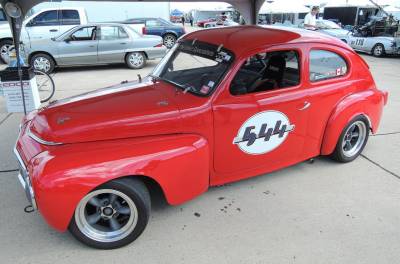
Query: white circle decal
[263, 132]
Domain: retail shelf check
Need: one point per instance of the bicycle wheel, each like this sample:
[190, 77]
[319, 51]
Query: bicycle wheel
[45, 85]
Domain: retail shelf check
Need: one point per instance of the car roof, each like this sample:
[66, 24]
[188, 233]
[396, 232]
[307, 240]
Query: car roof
[241, 39]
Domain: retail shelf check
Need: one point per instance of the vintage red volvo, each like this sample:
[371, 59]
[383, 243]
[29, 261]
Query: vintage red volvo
[223, 105]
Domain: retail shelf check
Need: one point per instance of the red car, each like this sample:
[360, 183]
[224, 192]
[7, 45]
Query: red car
[202, 22]
[223, 105]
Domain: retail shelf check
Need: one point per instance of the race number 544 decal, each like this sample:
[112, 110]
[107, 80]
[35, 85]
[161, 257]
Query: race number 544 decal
[263, 132]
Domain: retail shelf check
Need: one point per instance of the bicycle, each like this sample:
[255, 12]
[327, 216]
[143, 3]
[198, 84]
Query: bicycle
[45, 84]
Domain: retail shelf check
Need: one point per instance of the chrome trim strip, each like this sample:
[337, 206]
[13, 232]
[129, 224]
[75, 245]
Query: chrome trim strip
[25, 180]
[39, 140]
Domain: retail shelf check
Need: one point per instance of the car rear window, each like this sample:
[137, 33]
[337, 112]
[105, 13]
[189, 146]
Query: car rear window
[326, 65]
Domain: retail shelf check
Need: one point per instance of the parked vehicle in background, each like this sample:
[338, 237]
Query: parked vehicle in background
[45, 24]
[157, 26]
[331, 28]
[91, 44]
[202, 22]
[350, 15]
[218, 108]
[220, 23]
[3, 18]
[379, 37]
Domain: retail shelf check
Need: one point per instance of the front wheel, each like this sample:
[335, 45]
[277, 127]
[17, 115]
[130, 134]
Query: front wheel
[5, 46]
[135, 60]
[42, 62]
[352, 141]
[113, 215]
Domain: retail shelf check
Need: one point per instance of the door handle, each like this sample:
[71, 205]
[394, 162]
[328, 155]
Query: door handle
[53, 30]
[92, 46]
[305, 106]
[123, 43]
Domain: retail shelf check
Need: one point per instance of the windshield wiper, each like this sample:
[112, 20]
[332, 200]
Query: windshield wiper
[158, 78]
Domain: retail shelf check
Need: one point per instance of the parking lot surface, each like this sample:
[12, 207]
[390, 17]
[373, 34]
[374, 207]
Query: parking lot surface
[321, 212]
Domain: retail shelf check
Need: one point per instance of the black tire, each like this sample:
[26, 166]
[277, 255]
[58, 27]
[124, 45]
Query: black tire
[169, 40]
[45, 85]
[135, 60]
[136, 190]
[42, 62]
[4, 47]
[378, 50]
[340, 154]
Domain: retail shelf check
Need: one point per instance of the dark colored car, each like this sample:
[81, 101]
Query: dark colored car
[160, 27]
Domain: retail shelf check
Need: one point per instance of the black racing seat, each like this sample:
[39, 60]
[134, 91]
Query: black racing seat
[273, 75]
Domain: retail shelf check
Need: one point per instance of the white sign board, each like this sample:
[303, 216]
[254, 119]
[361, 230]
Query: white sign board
[13, 95]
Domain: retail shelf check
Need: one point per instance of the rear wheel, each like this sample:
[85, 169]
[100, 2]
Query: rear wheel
[4, 50]
[169, 40]
[112, 215]
[378, 50]
[352, 141]
[135, 60]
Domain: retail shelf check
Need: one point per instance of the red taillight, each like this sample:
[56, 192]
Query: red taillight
[144, 30]
[158, 45]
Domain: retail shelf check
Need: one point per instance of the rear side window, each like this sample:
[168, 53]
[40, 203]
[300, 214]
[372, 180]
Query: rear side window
[326, 65]
[112, 33]
[153, 23]
[70, 17]
[47, 18]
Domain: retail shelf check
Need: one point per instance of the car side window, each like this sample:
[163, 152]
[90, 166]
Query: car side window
[153, 23]
[47, 18]
[85, 33]
[267, 71]
[70, 17]
[326, 65]
[113, 33]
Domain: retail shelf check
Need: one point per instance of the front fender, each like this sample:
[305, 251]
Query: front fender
[368, 103]
[63, 175]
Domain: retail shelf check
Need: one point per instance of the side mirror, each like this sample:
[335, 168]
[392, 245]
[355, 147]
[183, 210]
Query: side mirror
[67, 40]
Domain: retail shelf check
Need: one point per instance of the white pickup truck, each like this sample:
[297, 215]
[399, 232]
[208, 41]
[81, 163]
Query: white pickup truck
[46, 23]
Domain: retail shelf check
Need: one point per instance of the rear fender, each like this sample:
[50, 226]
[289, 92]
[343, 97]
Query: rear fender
[63, 175]
[368, 103]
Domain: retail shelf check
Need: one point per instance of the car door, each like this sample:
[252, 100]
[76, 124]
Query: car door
[45, 25]
[328, 80]
[113, 43]
[79, 47]
[258, 123]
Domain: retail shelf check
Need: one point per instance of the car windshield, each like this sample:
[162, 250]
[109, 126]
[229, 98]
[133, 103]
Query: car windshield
[326, 24]
[66, 33]
[194, 66]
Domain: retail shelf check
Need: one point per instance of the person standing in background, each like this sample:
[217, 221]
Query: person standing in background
[183, 20]
[310, 20]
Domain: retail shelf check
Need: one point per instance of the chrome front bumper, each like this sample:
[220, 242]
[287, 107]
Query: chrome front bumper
[25, 180]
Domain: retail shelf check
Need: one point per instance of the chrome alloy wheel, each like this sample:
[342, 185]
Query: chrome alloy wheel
[169, 41]
[42, 64]
[354, 138]
[5, 53]
[136, 59]
[106, 215]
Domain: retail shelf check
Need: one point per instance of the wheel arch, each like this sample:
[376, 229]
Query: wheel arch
[376, 44]
[170, 32]
[175, 166]
[41, 52]
[368, 103]
[144, 52]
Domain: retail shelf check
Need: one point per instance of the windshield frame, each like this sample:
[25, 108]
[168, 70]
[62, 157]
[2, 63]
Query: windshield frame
[174, 51]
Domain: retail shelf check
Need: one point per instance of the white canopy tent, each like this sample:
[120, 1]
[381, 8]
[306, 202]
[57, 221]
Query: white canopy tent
[283, 7]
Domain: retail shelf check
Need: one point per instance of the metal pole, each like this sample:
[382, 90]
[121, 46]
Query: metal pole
[19, 66]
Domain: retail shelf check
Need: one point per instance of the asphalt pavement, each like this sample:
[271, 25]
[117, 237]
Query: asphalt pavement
[321, 212]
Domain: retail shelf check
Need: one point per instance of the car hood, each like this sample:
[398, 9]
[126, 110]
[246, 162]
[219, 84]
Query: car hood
[124, 111]
[336, 32]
